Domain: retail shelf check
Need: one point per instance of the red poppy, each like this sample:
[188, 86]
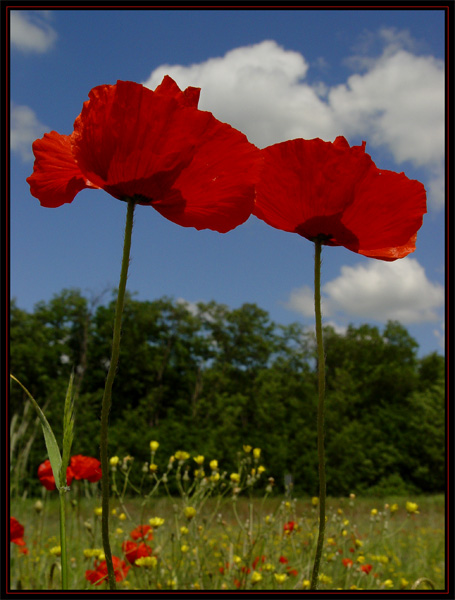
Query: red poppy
[99, 574]
[366, 568]
[256, 560]
[347, 562]
[86, 467]
[283, 560]
[133, 550]
[46, 475]
[155, 147]
[335, 193]
[16, 532]
[292, 572]
[141, 531]
[289, 527]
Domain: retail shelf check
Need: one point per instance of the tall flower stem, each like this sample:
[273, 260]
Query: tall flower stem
[63, 550]
[320, 417]
[107, 396]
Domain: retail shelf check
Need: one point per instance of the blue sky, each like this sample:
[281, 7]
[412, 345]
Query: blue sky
[373, 75]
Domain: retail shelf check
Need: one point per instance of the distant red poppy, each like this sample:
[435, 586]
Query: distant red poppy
[16, 532]
[347, 562]
[86, 467]
[155, 147]
[289, 527]
[99, 574]
[366, 568]
[283, 560]
[335, 193]
[133, 550]
[46, 476]
[258, 559]
[142, 532]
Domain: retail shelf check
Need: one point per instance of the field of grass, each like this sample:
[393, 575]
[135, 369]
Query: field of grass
[229, 540]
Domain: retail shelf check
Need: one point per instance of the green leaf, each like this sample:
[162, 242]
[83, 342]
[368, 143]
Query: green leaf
[49, 438]
[68, 429]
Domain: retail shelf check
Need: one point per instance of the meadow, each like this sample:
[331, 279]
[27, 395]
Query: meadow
[193, 526]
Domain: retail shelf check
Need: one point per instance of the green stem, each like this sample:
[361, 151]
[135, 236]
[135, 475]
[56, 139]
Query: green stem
[63, 552]
[320, 418]
[107, 397]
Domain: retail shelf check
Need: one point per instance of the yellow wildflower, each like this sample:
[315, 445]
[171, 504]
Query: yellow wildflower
[247, 449]
[388, 583]
[199, 459]
[213, 465]
[394, 508]
[156, 521]
[315, 501]
[189, 512]
[153, 468]
[256, 577]
[114, 460]
[98, 511]
[412, 508]
[181, 455]
[257, 453]
[280, 577]
[184, 548]
[306, 584]
[374, 512]
[122, 517]
[154, 446]
[184, 530]
[261, 469]
[235, 477]
[146, 561]
[56, 551]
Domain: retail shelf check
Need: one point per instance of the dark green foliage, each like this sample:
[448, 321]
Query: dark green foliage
[208, 379]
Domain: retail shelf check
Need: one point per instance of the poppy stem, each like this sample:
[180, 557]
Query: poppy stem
[63, 551]
[320, 417]
[107, 396]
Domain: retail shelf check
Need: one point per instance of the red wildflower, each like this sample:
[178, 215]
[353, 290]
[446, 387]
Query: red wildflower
[257, 559]
[141, 531]
[99, 574]
[16, 532]
[86, 467]
[292, 572]
[347, 562]
[283, 560]
[335, 193]
[289, 527]
[133, 550]
[155, 147]
[46, 476]
[366, 568]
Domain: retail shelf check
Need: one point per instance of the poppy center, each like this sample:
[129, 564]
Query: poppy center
[329, 230]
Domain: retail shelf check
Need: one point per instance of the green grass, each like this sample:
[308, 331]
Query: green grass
[236, 542]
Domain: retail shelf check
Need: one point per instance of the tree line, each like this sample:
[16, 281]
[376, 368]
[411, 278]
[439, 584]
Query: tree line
[208, 379]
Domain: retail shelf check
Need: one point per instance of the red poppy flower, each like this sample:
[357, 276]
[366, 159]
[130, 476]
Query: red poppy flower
[256, 560]
[292, 572]
[133, 550]
[141, 531]
[283, 560]
[347, 562]
[16, 532]
[156, 147]
[335, 193]
[46, 476]
[99, 574]
[86, 467]
[289, 527]
[366, 568]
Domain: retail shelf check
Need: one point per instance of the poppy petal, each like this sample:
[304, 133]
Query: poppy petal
[56, 177]
[216, 190]
[126, 136]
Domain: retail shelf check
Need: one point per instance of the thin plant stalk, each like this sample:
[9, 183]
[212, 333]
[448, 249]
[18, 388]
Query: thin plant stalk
[320, 412]
[107, 396]
[63, 550]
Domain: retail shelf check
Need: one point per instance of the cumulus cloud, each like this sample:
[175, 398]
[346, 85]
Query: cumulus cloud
[396, 101]
[377, 291]
[31, 32]
[25, 129]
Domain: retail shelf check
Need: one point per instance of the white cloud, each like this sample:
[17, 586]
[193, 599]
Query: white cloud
[25, 129]
[395, 102]
[30, 31]
[377, 291]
